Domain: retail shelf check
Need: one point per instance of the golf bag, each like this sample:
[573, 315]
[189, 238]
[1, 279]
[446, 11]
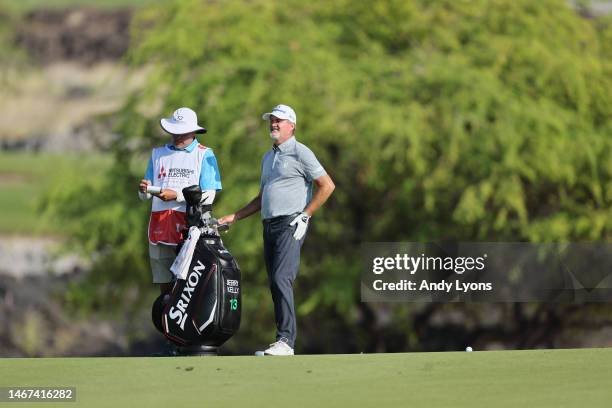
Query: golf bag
[204, 309]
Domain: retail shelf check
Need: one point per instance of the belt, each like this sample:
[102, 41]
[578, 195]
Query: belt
[279, 219]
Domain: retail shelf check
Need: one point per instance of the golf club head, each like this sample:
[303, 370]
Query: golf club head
[193, 195]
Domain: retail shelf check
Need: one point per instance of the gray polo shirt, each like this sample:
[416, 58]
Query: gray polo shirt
[287, 172]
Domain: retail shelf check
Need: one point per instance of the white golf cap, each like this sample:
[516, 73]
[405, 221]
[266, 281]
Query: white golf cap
[281, 112]
[183, 121]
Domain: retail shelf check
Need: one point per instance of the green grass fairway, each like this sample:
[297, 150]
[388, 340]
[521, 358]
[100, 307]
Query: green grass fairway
[539, 378]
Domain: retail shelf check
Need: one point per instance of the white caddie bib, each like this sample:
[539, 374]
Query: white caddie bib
[175, 170]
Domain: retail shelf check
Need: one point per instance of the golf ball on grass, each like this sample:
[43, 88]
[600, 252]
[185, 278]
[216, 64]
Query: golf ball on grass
[468, 349]
[259, 353]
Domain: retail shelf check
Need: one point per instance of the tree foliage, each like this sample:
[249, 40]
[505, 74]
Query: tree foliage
[438, 120]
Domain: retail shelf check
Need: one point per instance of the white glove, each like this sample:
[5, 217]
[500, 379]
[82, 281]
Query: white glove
[301, 222]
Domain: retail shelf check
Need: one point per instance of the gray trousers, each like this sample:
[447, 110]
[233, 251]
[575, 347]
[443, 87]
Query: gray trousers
[282, 256]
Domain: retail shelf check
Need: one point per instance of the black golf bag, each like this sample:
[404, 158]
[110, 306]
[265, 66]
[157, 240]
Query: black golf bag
[204, 309]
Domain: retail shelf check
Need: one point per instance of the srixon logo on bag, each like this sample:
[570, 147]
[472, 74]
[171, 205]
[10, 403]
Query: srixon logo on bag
[179, 312]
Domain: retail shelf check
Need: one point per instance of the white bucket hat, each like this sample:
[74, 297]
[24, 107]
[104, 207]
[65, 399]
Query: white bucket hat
[183, 121]
[282, 112]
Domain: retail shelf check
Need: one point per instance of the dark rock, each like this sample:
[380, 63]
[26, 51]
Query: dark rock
[85, 35]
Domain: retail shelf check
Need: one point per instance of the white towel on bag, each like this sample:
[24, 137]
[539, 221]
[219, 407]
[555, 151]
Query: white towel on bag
[180, 266]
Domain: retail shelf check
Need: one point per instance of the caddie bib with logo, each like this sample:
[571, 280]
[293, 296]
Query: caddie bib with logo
[175, 170]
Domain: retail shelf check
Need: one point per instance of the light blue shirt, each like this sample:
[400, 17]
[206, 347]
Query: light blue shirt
[210, 178]
[287, 172]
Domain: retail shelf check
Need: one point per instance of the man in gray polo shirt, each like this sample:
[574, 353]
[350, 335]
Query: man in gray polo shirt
[286, 202]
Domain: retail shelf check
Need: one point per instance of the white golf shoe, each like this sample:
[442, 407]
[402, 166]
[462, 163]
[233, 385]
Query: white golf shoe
[279, 348]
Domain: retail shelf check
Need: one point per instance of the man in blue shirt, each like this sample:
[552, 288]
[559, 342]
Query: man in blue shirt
[172, 167]
[286, 203]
